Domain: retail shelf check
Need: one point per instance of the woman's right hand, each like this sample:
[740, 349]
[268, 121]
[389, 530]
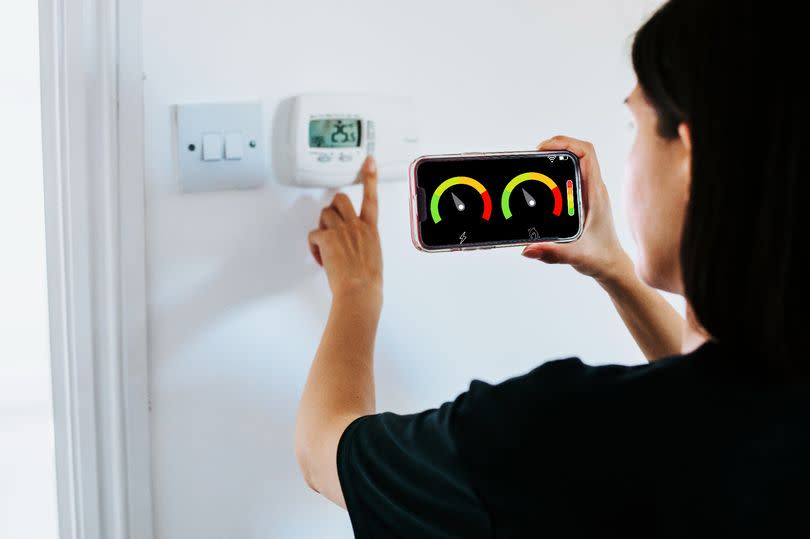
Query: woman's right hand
[597, 253]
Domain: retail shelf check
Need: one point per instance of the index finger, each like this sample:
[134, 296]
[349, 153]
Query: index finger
[368, 208]
[580, 148]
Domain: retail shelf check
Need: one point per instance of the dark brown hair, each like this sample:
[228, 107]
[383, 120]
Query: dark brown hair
[705, 63]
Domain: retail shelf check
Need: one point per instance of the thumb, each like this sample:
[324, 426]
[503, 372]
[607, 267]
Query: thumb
[545, 252]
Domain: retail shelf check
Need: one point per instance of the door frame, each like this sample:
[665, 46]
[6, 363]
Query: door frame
[91, 73]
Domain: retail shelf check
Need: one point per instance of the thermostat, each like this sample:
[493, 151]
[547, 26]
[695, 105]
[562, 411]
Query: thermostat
[321, 140]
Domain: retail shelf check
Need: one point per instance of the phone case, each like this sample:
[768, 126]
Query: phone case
[414, 211]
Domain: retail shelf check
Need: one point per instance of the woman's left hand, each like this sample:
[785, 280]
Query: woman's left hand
[347, 245]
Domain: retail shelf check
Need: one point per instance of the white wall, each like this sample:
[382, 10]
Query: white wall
[27, 475]
[237, 304]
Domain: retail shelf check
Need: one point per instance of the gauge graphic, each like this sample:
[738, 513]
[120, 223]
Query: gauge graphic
[530, 176]
[457, 180]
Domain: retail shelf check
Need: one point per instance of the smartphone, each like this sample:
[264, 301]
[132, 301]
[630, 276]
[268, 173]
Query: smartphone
[483, 200]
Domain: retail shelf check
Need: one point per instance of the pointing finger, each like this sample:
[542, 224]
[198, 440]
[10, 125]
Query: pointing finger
[368, 173]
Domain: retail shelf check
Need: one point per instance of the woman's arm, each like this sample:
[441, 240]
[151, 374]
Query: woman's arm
[340, 385]
[654, 323]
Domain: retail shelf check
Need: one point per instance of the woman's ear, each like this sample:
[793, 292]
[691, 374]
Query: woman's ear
[685, 140]
[685, 134]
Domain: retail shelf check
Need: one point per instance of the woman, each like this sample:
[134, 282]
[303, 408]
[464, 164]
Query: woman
[710, 437]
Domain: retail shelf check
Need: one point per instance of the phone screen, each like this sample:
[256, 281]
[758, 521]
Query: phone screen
[496, 200]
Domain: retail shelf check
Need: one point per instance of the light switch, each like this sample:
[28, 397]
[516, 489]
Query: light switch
[220, 146]
[212, 147]
[233, 146]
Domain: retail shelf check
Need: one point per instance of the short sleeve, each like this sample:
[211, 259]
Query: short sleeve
[401, 476]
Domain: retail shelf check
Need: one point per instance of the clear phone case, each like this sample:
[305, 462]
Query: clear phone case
[414, 210]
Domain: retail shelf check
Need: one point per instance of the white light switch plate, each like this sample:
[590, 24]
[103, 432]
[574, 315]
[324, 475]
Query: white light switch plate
[195, 121]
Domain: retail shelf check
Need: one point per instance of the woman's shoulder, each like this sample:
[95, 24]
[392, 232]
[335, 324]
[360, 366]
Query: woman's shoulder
[568, 393]
[573, 378]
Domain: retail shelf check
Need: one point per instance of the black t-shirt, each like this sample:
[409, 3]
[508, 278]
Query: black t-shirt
[691, 445]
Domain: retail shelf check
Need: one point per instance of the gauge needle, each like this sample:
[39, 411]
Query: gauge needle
[458, 202]
[529, 200]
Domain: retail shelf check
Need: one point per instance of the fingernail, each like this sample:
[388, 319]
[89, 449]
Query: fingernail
[371, 165]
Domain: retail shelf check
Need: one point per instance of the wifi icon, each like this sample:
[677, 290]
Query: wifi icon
[551, 158]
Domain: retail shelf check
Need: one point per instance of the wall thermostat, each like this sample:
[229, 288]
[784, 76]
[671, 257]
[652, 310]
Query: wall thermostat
[321, 140]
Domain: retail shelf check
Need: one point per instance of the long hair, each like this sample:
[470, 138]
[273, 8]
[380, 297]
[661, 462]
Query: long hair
[714, 66]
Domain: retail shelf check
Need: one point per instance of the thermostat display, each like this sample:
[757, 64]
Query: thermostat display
[340, 133]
